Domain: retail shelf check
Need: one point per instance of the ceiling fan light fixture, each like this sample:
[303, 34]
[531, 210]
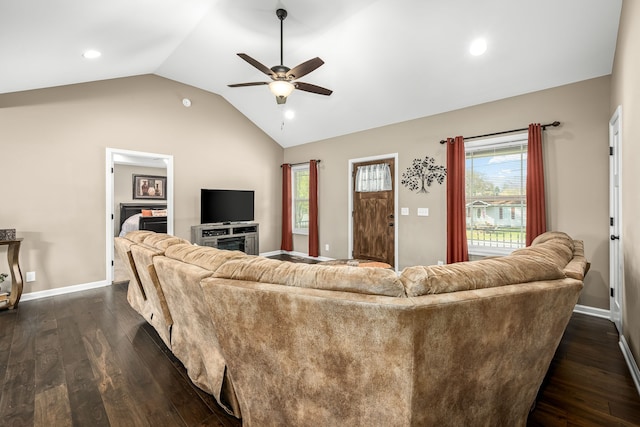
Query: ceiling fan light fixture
[281, 88]
[478, 47]
[91, 54]
[285, 79]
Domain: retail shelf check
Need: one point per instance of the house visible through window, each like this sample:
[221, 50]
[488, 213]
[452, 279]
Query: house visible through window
[496, 179]
[300, 198]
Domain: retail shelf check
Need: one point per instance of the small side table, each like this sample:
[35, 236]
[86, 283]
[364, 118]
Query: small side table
[16, 275]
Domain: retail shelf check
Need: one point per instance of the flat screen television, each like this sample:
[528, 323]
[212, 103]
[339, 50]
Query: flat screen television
[221, 206]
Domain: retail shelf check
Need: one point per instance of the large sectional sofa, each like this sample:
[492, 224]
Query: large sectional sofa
[280, 343]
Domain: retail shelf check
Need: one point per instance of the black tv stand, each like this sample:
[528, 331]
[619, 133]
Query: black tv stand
[239, 236]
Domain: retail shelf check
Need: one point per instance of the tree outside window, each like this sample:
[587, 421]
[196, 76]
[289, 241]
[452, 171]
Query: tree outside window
[300, 210]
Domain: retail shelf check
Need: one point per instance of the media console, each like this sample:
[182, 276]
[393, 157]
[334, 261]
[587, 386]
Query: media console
[236, 237]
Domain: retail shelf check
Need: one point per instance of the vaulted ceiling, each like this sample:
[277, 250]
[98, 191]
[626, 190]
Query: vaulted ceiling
[387, 61]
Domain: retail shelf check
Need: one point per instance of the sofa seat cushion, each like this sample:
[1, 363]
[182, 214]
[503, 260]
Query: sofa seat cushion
[371, 281]
[485, 273]
[202, 256]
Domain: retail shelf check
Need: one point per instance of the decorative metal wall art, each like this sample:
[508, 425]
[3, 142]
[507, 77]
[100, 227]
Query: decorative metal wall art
[423, 172]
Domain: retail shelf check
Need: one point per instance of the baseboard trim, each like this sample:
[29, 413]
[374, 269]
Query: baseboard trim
[303, 255]
[64, 290]
[583, 309]
[631, 362]
[592, 311]
[87, 286]
[272, 253]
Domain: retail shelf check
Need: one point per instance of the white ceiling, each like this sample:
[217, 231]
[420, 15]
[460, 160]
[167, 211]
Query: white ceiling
[387, 61]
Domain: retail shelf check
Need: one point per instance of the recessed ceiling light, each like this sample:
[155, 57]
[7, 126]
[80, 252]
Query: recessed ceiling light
[91, 54]
[478, 47]
[289, 114]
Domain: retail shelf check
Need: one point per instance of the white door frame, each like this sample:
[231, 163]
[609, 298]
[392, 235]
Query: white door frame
[136, 158]
[395, 201]
[616, 269]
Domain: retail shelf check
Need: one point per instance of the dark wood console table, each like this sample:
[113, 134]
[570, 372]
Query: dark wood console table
[16, 275]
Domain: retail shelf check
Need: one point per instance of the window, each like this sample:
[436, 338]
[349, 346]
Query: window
[496, 179]
[375, 177]
[300, 198]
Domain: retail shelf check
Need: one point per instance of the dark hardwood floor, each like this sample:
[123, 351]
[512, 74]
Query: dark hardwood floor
[588, 383]
[88, 359]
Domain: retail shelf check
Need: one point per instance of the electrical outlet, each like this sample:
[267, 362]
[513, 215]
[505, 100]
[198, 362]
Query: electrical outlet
[31, 276]
[326, 247]
[404, 211]
[423, 211]
[440, 262]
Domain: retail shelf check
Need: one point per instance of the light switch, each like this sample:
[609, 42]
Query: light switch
[404, 211]
[423, 211]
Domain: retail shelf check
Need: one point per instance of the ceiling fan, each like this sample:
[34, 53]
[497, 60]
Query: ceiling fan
[284, 79]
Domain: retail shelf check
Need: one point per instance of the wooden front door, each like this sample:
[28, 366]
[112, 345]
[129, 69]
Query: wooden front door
[373, 220]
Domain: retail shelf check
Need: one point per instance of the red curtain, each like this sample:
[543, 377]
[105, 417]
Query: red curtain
[457, 249]
[314, 244]
[287, 232]
[536, 209]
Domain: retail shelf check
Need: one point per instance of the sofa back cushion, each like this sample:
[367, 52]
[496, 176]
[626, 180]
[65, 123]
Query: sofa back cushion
[486, 273]
[371, 281]
[162, 241]
[202, 256]
[546, 259]
[553, 235]
[138, 236]
[554, 246]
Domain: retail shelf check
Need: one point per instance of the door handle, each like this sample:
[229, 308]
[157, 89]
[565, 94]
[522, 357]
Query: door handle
[615, 237]
[391, 225]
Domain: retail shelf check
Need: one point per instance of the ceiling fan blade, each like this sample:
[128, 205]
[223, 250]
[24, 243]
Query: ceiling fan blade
[304, 68]
[256, 64]
[307, 87]
[248, 84]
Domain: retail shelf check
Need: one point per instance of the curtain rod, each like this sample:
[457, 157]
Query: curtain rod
[544, 127]
[301, 163]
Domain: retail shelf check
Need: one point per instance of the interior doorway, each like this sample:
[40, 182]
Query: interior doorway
[132, 158]
[615, 220]
[373, 231]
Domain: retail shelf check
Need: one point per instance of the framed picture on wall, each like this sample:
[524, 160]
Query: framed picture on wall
[150, 187]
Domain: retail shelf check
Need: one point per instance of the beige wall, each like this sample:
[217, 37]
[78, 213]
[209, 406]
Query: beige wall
[626, 92]
[53, 144]
[576, 157]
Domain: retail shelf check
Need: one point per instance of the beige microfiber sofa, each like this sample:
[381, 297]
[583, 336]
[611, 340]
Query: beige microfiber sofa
[314, 345]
